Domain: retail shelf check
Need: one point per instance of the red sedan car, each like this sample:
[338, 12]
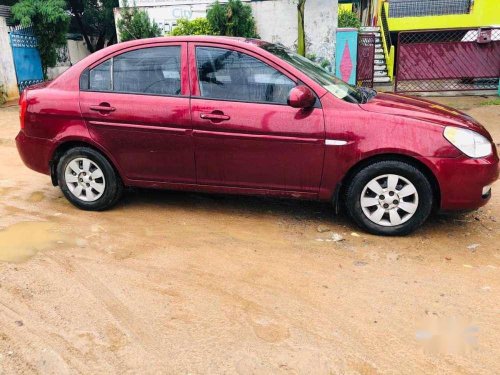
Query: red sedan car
[230, 115]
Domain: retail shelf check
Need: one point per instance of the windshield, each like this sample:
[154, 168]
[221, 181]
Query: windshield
[334, 85]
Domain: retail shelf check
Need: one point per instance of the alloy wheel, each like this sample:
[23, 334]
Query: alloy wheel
[84, 179]
[389, 200]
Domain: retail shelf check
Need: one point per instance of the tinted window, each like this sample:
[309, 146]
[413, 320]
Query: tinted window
[100, 77]
[149, 70]
[144, 71]
[232, 75]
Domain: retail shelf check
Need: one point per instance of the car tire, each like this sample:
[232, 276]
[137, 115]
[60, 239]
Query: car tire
[88, 180]
[389, 198]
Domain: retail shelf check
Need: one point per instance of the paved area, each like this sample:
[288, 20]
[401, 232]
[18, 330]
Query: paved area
[187, 283]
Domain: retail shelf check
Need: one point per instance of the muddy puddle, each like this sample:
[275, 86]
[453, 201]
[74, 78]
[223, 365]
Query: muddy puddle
[21, 241]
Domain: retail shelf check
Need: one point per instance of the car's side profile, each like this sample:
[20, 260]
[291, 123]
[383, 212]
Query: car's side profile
[230, 115]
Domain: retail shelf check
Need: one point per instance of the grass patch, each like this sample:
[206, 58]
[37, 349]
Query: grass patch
[495, 101]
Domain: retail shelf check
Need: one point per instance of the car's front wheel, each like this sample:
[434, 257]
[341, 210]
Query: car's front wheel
[88, 180]
[389, 198]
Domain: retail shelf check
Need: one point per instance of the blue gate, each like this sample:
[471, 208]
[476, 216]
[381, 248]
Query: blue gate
[27, 62]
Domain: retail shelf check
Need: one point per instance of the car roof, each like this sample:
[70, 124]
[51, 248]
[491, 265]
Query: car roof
[248, 43]
[193, 38]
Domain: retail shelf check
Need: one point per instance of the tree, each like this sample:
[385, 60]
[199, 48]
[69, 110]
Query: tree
[198, 26]
[348, 19]
[49, 20]
[135, 24]
[301, 42]
[94, 18]
[232, 19]
[8, 2]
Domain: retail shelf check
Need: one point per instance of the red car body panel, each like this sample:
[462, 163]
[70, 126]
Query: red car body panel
[187, 142]
[275, 148]
[142, 134]
[257, 143]
[424, 110]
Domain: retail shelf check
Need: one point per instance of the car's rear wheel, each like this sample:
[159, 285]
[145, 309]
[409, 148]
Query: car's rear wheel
[88, 180]
[389, 198]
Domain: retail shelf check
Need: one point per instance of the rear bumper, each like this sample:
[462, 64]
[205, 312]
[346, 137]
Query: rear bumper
[462, 180]
[34, 152]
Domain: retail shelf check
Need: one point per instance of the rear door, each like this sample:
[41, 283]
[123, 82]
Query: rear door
[136, 104]
[245, 133]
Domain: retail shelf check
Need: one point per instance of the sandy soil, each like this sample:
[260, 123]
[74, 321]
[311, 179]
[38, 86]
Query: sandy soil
[190, 283]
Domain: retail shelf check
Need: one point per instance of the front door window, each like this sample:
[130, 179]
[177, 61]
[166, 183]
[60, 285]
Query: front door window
[232, 75]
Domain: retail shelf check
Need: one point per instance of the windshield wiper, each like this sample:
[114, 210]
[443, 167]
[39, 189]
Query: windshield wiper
[366, 94]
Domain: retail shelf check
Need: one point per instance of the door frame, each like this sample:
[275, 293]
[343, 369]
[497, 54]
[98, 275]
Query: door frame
[106, 123]
[289, 71]
[185, 85]
[266, 57]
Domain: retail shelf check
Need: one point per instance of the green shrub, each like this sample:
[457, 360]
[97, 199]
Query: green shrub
[348, 19]
[198, 26]
[135, 24]
[324, 63]
[495, 101]
[232, 19]
[3, 94]
[311, 56]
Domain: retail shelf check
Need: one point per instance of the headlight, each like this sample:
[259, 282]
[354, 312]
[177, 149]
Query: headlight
[469, 142]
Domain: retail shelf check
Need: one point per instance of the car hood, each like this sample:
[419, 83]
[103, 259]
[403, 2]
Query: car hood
[420, 109]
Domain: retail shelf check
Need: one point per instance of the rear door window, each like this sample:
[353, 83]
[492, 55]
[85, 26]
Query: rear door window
[148, 71]
[100, 77]
[154, 71]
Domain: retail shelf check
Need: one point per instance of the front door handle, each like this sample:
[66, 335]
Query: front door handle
[102, 107]
[215, 116]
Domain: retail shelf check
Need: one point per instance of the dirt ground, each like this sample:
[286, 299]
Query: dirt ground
[187, 283]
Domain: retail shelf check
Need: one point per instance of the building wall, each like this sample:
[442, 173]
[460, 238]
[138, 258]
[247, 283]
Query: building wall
[277, 23]
[77, 50]
[74, 51]
[276, 20]
[483, 13]
[7, 70]
[166, 12]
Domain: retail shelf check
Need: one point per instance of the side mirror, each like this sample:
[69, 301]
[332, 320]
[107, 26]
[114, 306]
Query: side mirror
[301, 97]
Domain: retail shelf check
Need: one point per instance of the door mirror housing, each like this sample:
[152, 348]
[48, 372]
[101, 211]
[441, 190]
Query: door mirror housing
[301, 97]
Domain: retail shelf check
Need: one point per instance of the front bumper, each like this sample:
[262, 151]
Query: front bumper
[34, 152]
[462, 180]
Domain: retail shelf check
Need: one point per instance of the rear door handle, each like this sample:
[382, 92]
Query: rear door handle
[102, 108]
[215, 116]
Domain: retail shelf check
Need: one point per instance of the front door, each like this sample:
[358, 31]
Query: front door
[245, 133]
[136, 105]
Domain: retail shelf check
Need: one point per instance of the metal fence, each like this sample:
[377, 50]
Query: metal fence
[422, 8]
[366, 57]
[27, 61]
[448, 60]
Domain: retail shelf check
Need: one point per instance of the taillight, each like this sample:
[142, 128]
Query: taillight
[23, 106]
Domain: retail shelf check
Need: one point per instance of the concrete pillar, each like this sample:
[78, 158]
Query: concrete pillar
[7, 71]
[346, 55]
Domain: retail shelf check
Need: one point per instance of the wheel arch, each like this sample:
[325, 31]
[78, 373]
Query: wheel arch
[66, 145]
[346, 180]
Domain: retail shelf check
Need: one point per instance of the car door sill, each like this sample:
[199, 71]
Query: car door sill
[222, 189]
